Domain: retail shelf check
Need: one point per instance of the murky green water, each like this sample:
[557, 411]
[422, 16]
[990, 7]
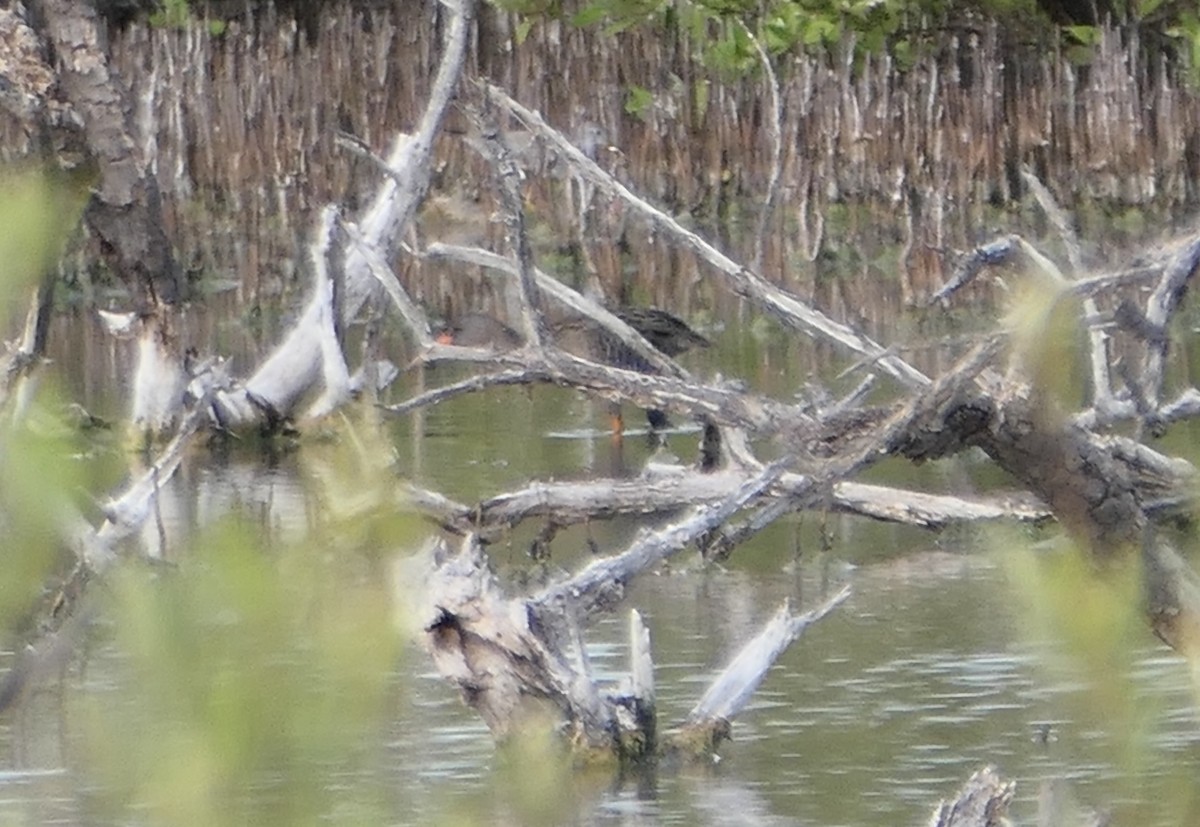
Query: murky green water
[926, 674]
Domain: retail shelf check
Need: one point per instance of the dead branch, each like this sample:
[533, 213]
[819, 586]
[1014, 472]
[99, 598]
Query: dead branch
[670, 489]
[1102, 392]
[1106, 282]
[19, 361]
[892, 436]
[603, 581]
[731, 690]
[1160, 307]
[520, 376]
[378, 267]
[1058, 217]
[1173, 268]
[335, 376]
[567, 298]
[982, 802]
[125, 514]
[934, 511]
[725, 406]
[1012, 250]
[295, 365]
[742, 281]
[508, 184]
[521, 660]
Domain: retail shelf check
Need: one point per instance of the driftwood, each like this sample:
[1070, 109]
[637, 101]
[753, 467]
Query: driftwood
[521, 659]
[210, 399]
[982, 802]
[666, 488]
[1099, 487]
[517, 661]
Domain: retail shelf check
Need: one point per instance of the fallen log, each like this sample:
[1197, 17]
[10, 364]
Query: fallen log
[521, 661]
[670, 488]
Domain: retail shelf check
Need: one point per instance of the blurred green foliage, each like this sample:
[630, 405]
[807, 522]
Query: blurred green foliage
[171, 14]
[1086, 621]
[32, 215]
[252, 688]
[1047, 342]
[36, 474]
[718, 30]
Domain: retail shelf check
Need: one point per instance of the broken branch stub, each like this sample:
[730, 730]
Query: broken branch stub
[516, 661]
[486, 645]
[983, 801]
[732, 689]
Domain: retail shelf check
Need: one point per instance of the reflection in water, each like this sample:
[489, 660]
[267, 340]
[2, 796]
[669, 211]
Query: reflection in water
[269, 496]
[880, 710]
[875, 714]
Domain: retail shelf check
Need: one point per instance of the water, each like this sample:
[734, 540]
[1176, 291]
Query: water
[927, 673]
[877, 712]
[873, 716]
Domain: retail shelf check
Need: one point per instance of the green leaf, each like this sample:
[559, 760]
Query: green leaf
[1084, 35]
[590, 15]
[820, 30]
[782, 30]
[1145, 8]
[638, 101]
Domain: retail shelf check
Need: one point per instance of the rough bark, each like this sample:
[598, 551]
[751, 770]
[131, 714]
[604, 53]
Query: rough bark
[125, 211]
[77, 114]
[517, 658]
[1096, 487]
[522, 661]
[982, 802]
[1092, 485]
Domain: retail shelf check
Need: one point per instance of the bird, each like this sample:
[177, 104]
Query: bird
[583, 336]
[666, 333]
[479, 330]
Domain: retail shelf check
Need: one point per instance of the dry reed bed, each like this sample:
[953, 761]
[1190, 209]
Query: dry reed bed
[241, 130]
